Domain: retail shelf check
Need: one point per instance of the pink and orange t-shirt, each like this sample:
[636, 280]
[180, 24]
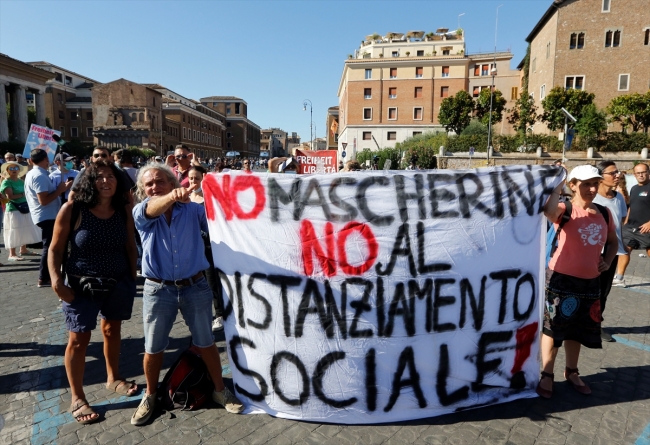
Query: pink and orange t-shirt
[580, 243]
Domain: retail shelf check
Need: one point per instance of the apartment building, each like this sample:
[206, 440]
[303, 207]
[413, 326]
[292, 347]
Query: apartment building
[332, 126]
[242, 134]
[601, 46]
[68, 102]
[392, 87]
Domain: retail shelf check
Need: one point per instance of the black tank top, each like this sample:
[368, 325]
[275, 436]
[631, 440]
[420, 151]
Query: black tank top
[98, 247]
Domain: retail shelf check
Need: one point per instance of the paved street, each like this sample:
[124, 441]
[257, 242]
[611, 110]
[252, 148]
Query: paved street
[34, 395]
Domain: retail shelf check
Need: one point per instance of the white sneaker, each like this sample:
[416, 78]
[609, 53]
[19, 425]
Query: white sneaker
[228, 400]
[145, 409]
[217, 324]
[619, 283]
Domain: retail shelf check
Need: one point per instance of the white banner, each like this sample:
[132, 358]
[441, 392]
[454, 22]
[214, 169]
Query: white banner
[370, 297]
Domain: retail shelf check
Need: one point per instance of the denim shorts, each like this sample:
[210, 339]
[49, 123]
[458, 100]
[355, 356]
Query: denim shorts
[161, 303]
[81, 314]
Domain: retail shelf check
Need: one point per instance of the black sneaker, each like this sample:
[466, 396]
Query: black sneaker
[43, 283]
[606, 337]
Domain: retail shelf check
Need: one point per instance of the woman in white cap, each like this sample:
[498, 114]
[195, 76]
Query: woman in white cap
[572, 310]
[19, 230]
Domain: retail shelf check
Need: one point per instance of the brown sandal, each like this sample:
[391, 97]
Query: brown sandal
[582, 389]
[124, 387]
[545, 393]
[82, 408]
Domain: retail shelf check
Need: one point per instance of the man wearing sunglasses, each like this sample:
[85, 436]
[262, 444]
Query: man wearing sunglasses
[247, 166]
[183, 158]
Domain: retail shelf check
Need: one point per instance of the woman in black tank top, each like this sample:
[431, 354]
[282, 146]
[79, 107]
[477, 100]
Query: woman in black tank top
[98, 225]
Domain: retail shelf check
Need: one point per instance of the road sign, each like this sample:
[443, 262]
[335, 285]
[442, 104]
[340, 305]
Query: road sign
[471, 151]
[343, 153]
[344, 144]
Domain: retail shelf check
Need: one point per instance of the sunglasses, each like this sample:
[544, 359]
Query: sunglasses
[614, 173]
[98, 155]
[181, 156]
[245, 163]
[13, 169]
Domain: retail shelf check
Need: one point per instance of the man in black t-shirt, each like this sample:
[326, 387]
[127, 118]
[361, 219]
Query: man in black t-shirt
[636, 231]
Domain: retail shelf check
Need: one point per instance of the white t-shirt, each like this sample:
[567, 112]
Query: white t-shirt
[617, 206]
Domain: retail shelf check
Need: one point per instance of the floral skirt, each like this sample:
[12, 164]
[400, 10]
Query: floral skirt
[572, 310]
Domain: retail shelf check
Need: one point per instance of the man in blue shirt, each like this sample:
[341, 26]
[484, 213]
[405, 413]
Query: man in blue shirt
[173, 262]
[65, 169]
[44, 204]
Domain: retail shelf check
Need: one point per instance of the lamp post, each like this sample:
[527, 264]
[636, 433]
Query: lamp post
[493, 73]
[459, 16]
[311, 120]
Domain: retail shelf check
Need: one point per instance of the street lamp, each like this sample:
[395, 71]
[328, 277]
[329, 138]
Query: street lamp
[459, 16]
[493, 73]
[311, 120]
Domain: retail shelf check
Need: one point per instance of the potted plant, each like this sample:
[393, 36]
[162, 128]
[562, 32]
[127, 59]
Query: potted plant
[375, 37]
[349, 56]
[381, 55]
[429, 36]
[435, 52]
[408, 53]
[459, 32]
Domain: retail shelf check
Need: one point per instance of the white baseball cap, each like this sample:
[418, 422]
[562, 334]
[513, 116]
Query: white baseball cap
[584, 172]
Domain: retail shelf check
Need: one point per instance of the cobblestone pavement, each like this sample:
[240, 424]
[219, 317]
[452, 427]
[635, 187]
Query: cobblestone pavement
[34, 395]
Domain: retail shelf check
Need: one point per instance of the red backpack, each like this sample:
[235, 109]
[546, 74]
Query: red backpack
[187, 384]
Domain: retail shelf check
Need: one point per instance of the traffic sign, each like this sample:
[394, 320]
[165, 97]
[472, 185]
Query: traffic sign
[343, 153]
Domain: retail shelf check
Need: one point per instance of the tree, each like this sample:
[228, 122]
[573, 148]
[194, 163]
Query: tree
[524, 113]
[631, 110]
[592, 123]
[482, 106]
[456, 112]
[572, 100]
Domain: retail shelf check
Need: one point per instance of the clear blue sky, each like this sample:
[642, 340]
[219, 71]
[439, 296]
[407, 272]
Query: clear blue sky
[273, 54]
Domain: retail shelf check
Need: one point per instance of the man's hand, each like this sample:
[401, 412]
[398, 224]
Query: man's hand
[602, 266]
[170, 161]
[645, 228]
[182, 194]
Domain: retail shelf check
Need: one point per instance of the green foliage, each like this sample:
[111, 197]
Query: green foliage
[592, 123]
[631, 110]
[524, 113]
[482, 106]
[624, 142]
[425, 147]
[384, 154]
[146, 153]
[455, 112]
[526, 67]
[572, 100]
[13, 146]
[475, 127]
[464, 142]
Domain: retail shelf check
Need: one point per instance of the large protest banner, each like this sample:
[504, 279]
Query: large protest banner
[370, 297]
[321, 161]
[41, 137]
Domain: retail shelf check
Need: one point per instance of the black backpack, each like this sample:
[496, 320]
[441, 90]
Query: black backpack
[187, 384]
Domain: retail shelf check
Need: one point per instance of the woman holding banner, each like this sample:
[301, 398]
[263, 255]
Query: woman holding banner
[572, 310]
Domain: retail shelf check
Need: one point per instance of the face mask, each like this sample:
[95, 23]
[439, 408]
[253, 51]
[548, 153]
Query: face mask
[199, 190]
[69, 165]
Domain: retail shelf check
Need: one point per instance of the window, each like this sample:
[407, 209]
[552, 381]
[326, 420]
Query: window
[74, 132]
[577, 41]
[68, 80]
[623, 82]
[419, 71]
[237, 107]
[395, 53]
[418, 92]
[392, 114]
[573, 42]
[194, 135]
[61, 115]
[477, 70]
[73, 115]
[59, 97]
[417, 133]
[368, 73]
[154, 101]
[612, 38]
[476, 92]
[89, 115]
[391, 135]
[393, 73]
[228, 109]
[420, 53]
[392, 93]
[445, 52]
[184, 133]
[445, 71]
[534, 64]
[62, 130]
[417, 114]
[542, 92]
[141, 117]
[444, 91]
[485, 70]
[548, 50]
[606, 6]
[367, 114]
[367, 135]
[576, 82]
[646, 38]
[617, 38]
[59, 77]
[581, 40]
[89, 132]
[367, 93]
[514, 93]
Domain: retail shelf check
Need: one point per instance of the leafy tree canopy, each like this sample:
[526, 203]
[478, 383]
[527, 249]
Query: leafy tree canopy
[572, 100]
[631, 110]
[456, 112]
[482, 106]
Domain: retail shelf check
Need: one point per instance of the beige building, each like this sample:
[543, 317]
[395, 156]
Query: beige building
[68, 102]
[392, 87]
[242, 134]
[18, 81]
[600, 46]
[332, 126]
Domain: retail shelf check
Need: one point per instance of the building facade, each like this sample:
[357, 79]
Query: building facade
[242, 134]
[600, 46]
[392, 87]
[18, 81]
[332, 126]
[68, 103]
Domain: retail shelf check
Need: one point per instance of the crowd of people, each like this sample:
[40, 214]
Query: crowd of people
[105, 224]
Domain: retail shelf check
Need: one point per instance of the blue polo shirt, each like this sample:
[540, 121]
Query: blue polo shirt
[38, 181]
[172, 251]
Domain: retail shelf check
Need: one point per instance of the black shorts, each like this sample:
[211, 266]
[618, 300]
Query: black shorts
[631, 234]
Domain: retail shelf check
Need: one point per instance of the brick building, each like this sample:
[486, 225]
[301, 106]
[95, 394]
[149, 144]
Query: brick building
[392, 87]
[601, 46]
[68, 102]
[242, 134]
